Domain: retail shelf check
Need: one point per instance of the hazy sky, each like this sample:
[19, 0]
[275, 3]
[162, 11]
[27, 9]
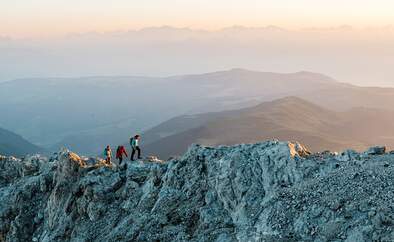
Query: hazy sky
[26, 18]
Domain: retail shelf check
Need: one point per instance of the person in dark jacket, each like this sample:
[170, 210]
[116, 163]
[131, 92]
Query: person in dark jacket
[135, 146]
[108, 154]
[120, 151]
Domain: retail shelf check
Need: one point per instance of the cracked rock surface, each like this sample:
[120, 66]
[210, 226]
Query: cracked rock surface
[271, 191]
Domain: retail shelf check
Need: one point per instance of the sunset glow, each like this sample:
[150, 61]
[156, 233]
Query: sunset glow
[59, 17]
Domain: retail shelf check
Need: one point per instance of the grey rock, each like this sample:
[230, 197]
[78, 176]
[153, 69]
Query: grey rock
[271, 191]
[348, 155]
[376, 150]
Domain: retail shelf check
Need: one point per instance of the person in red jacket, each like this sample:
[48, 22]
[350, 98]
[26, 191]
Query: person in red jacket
[119, 153]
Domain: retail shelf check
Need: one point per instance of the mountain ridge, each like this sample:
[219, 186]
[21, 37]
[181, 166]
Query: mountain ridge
[268, 191]
[15, 145]
[290, 118]
[235, 70]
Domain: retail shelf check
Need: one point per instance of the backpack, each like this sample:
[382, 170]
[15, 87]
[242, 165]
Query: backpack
[106, 152]
[118, 152]
[133, 142]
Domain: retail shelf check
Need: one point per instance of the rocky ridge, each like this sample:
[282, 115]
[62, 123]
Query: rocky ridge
[270, 191]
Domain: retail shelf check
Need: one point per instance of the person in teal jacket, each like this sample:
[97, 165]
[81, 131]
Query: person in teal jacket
[135, 146]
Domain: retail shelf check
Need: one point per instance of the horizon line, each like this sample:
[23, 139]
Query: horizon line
[233, 69]
[340, 27]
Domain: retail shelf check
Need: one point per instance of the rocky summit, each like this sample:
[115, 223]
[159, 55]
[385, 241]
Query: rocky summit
[271, 191]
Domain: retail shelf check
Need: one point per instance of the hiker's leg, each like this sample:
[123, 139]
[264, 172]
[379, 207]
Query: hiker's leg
[120, 160]
[139, 152]
[132, 154]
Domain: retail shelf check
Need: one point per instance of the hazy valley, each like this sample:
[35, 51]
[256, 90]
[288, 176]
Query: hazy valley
[85, 114]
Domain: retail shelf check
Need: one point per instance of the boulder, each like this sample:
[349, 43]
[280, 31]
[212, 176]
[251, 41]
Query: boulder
[376, 150]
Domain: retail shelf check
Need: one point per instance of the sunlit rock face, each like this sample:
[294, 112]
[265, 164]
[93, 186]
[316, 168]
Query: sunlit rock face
[271, 191]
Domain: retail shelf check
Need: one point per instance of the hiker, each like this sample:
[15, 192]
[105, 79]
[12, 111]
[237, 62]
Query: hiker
[108, 154]
[119, 153]
[134, 142]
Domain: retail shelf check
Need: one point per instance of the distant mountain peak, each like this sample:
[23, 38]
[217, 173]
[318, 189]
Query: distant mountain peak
[291, 99]
[291, 102]
[271, 28]
[299, 74]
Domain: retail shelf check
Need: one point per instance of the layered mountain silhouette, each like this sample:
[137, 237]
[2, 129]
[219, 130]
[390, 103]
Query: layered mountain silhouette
[290, 118]
[85, 114]
[16, 145]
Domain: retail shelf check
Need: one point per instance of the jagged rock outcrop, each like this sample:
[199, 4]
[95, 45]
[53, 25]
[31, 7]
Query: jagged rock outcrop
[271, 191]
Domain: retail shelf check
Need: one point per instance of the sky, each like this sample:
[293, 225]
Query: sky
[63, 38]
[42, 18]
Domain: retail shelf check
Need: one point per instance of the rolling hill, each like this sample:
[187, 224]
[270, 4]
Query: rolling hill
[15, 145]
[290, 118]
